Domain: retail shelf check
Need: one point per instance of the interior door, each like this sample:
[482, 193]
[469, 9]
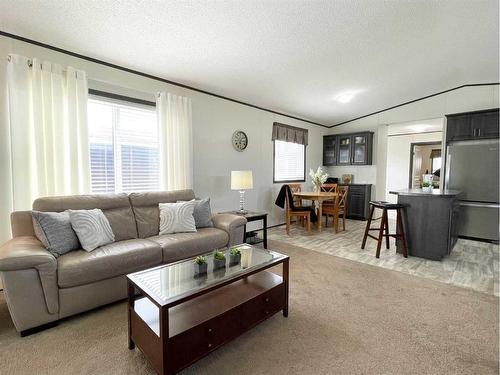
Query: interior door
[417, 167]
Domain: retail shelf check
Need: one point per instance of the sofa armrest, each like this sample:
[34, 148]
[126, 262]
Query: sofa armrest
[23, 252]
[234, 225]
[27, 252]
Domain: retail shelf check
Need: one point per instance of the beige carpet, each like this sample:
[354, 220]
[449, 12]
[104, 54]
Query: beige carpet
[345, 318]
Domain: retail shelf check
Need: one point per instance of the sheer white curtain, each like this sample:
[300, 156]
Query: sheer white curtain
[47, 121]
[176, 147]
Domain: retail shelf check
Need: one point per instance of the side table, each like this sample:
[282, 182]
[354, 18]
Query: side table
[254, 216]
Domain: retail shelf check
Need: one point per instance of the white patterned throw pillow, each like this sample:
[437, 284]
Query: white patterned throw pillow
[177, 217]
[92, 228]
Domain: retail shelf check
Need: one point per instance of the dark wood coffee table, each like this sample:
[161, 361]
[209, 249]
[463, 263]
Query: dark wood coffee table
[176, 318]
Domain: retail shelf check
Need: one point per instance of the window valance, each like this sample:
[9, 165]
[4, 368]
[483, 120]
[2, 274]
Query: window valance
[435, 153]
[288, 133]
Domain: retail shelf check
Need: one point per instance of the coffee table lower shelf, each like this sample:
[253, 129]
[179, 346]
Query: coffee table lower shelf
[200, 325]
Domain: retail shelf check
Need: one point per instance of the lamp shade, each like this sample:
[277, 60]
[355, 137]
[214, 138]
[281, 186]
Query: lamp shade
[241, 180]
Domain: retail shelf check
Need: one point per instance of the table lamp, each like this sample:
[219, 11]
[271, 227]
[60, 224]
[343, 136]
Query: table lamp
[241, 180]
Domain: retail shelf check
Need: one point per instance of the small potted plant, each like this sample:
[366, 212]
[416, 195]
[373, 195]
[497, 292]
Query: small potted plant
[234, 256]
[219, 259]
[200, 265]
[426, 186]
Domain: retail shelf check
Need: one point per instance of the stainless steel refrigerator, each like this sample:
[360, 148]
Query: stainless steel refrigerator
[472, 167]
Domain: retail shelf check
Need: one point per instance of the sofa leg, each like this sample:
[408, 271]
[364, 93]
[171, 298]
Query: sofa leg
[31, 331]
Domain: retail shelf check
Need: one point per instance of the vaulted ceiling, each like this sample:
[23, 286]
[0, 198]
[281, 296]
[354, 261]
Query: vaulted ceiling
[306, 58]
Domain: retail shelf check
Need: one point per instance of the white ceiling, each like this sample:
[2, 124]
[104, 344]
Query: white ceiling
[290, 56]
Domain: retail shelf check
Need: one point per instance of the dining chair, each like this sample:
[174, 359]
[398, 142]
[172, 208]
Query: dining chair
[296, 188]
[329, 188]
[338, 209]
[297, 212]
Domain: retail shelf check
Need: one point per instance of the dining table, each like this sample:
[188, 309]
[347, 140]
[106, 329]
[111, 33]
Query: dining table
[316, 196]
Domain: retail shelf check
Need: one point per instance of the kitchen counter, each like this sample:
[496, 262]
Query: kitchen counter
[430, 220]
[434, 192]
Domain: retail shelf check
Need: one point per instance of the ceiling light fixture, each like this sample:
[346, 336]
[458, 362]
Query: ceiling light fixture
[345, 97]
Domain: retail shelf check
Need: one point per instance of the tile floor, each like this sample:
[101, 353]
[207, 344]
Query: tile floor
[472, 264]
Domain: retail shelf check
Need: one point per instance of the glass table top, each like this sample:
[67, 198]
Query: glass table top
[170, 282]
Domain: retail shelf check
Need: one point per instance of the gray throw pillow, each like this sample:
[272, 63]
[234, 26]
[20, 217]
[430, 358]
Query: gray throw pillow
[54, 230]
[92, 228]
[202, 213]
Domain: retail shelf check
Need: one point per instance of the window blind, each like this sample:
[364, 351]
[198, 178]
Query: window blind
[289, 161]
[124, 146]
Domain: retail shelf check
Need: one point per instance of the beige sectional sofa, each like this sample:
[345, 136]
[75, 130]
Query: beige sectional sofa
[40, 289]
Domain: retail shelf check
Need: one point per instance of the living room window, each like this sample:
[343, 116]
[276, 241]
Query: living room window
[289, 161]
[124, 146]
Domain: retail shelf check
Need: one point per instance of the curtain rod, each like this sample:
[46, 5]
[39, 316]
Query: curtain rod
[30, 65]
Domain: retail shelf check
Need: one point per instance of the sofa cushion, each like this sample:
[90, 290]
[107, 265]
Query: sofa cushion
[147, 212]
[80, 267]
[179, 246]
[116, 208]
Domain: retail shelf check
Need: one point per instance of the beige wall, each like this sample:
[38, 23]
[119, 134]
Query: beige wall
[214, 121]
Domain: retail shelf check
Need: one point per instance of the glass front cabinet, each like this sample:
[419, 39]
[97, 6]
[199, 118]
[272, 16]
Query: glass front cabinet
[344, 150]
[329, 150]
[350, 149]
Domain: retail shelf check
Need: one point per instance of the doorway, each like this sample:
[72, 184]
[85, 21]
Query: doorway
[397, 156]
[425, 158]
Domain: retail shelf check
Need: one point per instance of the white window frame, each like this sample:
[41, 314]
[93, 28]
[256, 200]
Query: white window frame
[302, 179]
[117, 152]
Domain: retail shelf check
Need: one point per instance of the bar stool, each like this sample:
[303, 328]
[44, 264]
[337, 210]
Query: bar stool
[384, 226]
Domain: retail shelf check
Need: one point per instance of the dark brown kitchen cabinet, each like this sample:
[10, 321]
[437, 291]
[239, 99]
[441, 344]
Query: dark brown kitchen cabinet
[362, 149]
[358, 201]
[486, 124]
[472, 125]
[344, 153]
[329, 150]
[348, 149]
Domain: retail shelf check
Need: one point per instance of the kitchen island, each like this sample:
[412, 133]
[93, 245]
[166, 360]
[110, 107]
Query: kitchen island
[431, 221]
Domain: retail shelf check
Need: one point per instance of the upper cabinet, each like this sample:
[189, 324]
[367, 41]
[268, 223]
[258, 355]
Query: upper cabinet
[329, 150]
[472, 125]
[348, 149]
[345, 150]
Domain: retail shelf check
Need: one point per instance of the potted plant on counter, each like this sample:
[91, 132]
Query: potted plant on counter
[427, 187]
[219, 259]
[234, 256]
[200, 265]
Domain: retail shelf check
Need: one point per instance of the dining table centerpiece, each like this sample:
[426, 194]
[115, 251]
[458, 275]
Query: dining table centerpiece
[318, 178]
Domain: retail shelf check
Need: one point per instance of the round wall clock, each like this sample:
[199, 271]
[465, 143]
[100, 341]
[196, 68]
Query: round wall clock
[240, 140]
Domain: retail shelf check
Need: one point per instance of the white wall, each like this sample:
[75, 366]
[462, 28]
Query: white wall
[398, 160]
[461, 100]
[214, 121]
